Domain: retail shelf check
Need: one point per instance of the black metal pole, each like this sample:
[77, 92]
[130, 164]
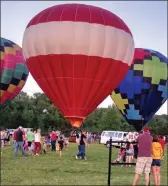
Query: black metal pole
[109, 163]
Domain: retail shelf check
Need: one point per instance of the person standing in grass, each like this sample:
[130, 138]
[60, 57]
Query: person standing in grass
[53, 140]
[129, 153]
[83, 145]
[44, 147]
[48, 142]
[61, 146]
[144, 159]
[78, 140]
[37, 142]
[162, 142]
[8, 137]
[135, 146]
[30, 139]
[19, 142]
[89, 138]
[157, 153]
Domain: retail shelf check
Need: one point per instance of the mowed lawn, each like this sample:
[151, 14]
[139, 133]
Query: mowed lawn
[49, 170]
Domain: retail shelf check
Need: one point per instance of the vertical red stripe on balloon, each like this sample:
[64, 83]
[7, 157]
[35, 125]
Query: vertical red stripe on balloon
[74, 93]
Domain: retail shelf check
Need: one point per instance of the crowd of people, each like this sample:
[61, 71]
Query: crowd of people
[147, 152]
[4, 137]
[32, 143]
[150, 155]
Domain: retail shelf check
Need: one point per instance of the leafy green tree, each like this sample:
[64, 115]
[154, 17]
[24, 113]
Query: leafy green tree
[28, 111]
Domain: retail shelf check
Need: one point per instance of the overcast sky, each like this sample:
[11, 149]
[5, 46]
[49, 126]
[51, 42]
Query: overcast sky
[147, 21]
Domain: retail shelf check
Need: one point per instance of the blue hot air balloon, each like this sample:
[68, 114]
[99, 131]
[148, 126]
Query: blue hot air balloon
[144, 89]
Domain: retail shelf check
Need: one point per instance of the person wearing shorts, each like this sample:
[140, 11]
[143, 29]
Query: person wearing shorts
[48, 142]
[157, 152]
[61, 146]
[44, 147]
[30, 139]
[144, 160]
[129, 153]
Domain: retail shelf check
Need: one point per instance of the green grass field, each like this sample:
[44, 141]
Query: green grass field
[49, 170]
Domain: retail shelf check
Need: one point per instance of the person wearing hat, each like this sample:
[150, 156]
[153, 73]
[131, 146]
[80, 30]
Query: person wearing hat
[19, 142]
[144, 159]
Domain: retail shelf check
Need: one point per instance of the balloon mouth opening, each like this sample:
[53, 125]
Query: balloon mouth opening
[75, 121]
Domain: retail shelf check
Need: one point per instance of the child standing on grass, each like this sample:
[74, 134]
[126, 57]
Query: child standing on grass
[44, 147]
[61, 146]
[66, 143]
[32, 148]
[57, 146]
[129, 153]
[48, 142]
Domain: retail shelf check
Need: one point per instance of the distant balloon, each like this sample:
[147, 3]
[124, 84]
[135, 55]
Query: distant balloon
[77, 54]
[13, 71]
[144, 89]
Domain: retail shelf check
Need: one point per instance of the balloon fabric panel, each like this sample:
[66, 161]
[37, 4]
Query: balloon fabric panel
[13, 71]
[144, 88]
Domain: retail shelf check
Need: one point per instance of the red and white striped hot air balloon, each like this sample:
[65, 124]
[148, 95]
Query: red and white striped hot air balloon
[77, 54]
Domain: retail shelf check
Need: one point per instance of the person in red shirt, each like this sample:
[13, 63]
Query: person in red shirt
[53, 140]
[144, 160]
[162, 142]
[14, 135]
[14, 138]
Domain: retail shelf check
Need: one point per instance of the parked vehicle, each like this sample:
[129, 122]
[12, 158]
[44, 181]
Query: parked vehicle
[115, 135]
[11, 131]
[27, 129]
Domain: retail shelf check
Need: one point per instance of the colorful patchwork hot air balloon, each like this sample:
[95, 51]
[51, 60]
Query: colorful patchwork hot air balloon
[13, 71]
[77, 54]
[144, 89]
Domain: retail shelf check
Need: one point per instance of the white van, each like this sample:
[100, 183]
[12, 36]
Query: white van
[115, 135]
[27, 129]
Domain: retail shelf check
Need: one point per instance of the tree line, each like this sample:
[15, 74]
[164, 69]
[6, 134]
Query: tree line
[37, 111]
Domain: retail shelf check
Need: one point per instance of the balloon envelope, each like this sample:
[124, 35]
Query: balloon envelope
[13, 71]
[144, 89]
[77, 54]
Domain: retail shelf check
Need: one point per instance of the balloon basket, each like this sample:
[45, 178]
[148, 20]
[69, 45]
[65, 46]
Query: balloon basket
[72, 139]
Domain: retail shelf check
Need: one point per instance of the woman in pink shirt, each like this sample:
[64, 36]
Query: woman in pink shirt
[53, 140]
